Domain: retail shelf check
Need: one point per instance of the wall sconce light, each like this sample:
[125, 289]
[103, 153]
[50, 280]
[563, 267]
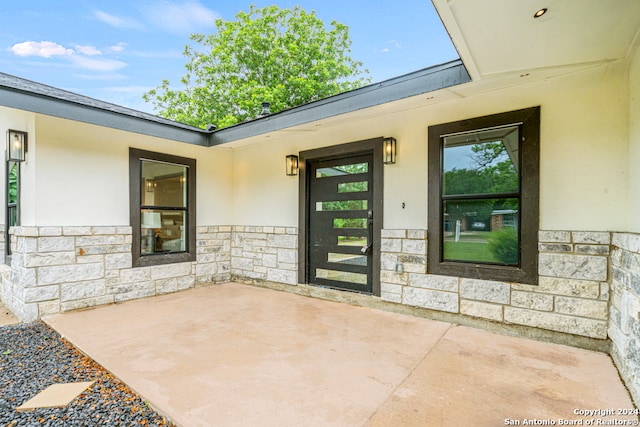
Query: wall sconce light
[389, 151]
[16, 145]
[149, 185]
[292, 165]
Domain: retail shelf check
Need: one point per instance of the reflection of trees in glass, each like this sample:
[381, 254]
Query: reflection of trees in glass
[503, 244]
[13, 183]
[494, 172]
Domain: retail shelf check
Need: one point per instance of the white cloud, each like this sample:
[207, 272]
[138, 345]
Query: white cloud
[98, 64]
[180, 17]
[116, 21]
[118, 47]
[87, 50]
[44, 49]
[391, 45]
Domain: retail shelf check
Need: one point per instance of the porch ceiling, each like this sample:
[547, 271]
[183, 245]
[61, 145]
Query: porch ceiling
[501, 37]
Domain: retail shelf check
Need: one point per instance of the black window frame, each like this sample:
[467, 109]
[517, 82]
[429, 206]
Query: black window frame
[527, 271]
[136, 156]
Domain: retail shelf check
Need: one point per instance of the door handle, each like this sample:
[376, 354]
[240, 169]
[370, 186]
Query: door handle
[366, 248]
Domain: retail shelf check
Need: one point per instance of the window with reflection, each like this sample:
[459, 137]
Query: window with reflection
[480, 196]
[483, 197]
[163, 208]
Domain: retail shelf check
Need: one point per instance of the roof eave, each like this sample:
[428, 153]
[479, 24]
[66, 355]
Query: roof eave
[417, 83]
[56, 107]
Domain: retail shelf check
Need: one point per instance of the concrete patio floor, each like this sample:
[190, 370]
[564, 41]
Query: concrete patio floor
[238, 355]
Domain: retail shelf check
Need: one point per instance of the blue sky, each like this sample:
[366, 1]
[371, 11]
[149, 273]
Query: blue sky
[116, 50]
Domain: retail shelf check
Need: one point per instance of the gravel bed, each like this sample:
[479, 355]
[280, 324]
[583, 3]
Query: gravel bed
[33, 356]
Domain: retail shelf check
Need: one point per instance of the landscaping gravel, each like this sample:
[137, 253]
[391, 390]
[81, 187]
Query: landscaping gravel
[33, 356]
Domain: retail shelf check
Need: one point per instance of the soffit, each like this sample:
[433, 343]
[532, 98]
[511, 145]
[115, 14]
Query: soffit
[501, 37]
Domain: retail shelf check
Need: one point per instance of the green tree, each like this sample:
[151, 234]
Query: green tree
[283, 56]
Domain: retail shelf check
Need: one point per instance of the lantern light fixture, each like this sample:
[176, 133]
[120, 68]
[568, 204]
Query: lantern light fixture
[16, 146]
[389, 151]
[292, 165]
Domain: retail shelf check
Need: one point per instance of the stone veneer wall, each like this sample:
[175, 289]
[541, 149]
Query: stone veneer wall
[57, 269]
[264, 254]
[624, 327]
[572, 295]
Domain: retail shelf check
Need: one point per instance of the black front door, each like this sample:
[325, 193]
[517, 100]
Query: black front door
[341, 223]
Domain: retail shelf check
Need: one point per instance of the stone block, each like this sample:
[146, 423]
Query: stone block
[427, 298]
[107, 239]
[484, 290]
[206, 269]
[557, 322]
[282, 276]
[51, 258]
[604, 291]
[573, 266]
[103, 230]
[433, 281]
[630, 262]
[555, 247]
[124, 230]
[69, 273]
[117, 261]
[82, 290]
[533, 301]
[554, 236]
[165, 286]
[84, 303]
[170, 270]
[134, 290]
[90, 259]
[592, 249]
[269, 260]
[391, 288]
[593, 309]
[388, 261]
[287, 266]
[288, 255]
[418, 247]
[285, 241]
[481, 309]
[47, 308]
[569, 287]
[395, 234]
[133, 275]
[393, 277]
[417, 234]
[24, 277]
[76, 231]
[50, 231]
[41, 293]
[185, 282]
[26, 245]
[592, 237]
[391, 245]
[627, 241]
[391, 297]
[24, 232]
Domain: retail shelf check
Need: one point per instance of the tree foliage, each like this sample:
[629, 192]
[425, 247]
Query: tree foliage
[283, 56]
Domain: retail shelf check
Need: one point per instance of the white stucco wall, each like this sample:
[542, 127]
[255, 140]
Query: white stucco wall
[83, 175]
[584, 154]
[634, 142]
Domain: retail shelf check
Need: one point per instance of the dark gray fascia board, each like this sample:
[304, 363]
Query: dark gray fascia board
[412, 84]
[26, 95]
[42, 99]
